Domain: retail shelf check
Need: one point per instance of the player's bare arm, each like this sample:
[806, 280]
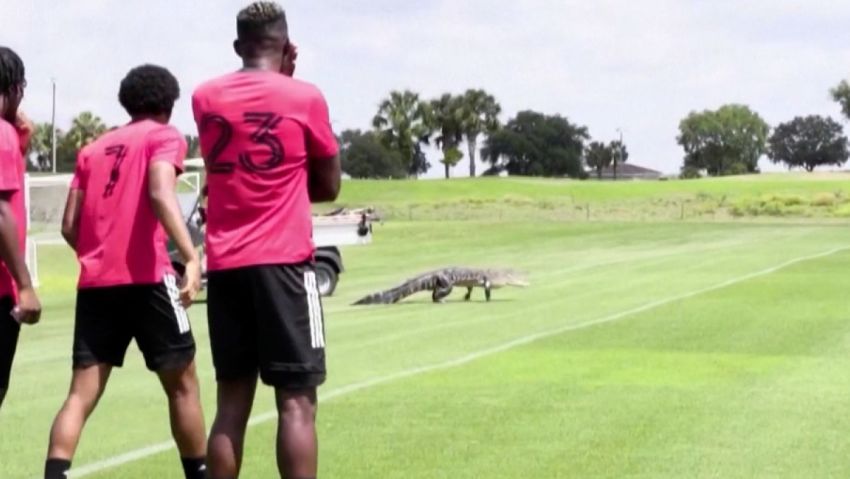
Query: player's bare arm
[324, 177]
[71, 217]
[25, 128]
[163, 182]
[29, 307]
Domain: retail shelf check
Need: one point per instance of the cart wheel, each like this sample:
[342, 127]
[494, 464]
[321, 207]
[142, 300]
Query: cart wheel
[326, 277]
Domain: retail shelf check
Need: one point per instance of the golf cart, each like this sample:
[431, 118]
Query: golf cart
[337, 228]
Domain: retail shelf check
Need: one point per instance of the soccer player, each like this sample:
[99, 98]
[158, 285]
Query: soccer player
[121, 205]
[269, 150]
[18, 301]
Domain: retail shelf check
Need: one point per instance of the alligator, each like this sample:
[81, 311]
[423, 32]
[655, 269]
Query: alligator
[441, 283]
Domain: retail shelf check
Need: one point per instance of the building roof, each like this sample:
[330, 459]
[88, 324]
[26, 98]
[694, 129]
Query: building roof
[627, 169]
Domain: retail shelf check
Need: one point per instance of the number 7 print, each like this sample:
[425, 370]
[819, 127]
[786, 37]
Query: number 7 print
[119, 152]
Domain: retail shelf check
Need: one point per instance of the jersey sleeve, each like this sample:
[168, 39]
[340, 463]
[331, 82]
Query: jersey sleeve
[167, 144]
[9, 180]
[321, 141]
[80, 179]
[196, 107]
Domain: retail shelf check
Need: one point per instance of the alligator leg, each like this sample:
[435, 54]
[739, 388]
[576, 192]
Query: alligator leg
[441, 293]
[442, 289]
[487, 287]
[468, 294]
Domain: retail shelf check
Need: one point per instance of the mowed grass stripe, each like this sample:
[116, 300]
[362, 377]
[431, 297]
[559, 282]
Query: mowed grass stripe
[654, 258]
[134, 399]
[468, 358]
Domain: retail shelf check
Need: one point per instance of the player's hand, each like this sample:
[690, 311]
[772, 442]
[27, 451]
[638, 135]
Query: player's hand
[290, 54]
[25, 128]
[191, 283]
[28, 310]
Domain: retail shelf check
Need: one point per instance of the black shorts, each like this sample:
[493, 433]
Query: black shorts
[9, 332]
[108, 318]
[267, 320]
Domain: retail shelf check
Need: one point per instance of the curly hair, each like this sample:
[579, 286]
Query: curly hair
[149, 90]
[12, 72]
[255, 21]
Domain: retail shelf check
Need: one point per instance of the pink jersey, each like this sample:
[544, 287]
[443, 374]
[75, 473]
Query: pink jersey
[120, 240]
[258, 131]
[12, 169]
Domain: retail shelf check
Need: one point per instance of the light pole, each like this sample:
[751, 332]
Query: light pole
[619, 153]
[53, 128]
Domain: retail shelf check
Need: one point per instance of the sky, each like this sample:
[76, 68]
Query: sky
[638, 66]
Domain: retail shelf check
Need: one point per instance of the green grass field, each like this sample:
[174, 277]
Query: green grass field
[642, 349]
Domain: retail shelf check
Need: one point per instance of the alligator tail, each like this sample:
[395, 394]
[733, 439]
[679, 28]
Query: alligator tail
[396, 294]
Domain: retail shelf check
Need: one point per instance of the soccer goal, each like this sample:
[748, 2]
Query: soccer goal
[45, 197]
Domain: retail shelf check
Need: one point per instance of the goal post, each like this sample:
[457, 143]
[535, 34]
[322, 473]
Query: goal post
[45, 196]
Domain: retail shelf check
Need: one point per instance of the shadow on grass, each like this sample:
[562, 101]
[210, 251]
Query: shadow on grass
[429, 302]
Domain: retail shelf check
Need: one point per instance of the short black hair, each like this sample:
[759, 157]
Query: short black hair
[149, 90]
[12, 72]
[259, 21]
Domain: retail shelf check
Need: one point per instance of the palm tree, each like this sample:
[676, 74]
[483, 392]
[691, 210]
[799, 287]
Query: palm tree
[619, 154]
[598, 156]
[446, 117]
[402, 124]
[41, 144]
[84, 128]
[481, 115]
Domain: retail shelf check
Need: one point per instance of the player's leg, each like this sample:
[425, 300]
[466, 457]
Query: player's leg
[227, 436]
[233, 338]
[9, 332]
[101, 337]
[87, 386]
[164, 336]
[297, 441]
[292, 360]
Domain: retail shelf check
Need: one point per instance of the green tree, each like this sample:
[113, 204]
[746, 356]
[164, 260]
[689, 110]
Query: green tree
[598, 156]
[809, 142]
[85, 128]
[619, 154]
[534, 144]
[480, 115]
[445, 116]
[41, 148]
[193, 146]
[841, 95]
[364, 156]
[728, 140]
[402, 124]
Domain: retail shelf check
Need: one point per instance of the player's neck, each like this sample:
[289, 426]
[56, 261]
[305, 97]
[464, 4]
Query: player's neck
[157, 118]
[260, 64]
[5, 112]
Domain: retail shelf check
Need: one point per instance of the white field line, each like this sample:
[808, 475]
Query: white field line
[410, 333]
[624, 260]
[26, 360]
[154, 449]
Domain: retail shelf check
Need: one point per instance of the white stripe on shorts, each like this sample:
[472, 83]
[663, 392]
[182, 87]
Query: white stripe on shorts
[174, 295]
[314, 305]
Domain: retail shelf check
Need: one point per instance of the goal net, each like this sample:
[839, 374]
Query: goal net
[45, 204]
